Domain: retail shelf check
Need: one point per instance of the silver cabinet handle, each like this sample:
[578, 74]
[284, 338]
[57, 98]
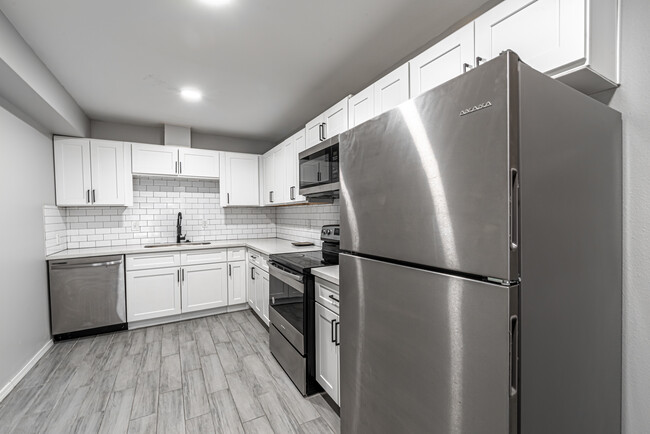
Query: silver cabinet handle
[87, 196]
[271, 196]
[94, 200]
[229, 270]
[176, 167]
[336, 329]
[332, 335]
[178, 275]
[252, 273]
[183, 274]
[180, 167]
[320, 132]
[466, 66]
[479, 59]
[334, 298]
[227, 197]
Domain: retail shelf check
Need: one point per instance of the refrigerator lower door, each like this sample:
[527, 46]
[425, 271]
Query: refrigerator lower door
[426, 352]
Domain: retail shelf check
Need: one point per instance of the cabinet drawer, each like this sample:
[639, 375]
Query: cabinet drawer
[257, 259]
[237, 254]
[150, 261]
[327, 294]
[203, 257]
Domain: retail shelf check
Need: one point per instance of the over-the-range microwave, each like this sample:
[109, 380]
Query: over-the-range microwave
[319, 170]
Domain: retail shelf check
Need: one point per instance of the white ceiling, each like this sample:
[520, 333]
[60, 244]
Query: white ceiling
[266, 67]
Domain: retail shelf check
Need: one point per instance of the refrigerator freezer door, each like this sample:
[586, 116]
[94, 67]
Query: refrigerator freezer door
[425, 352]
[430, 181]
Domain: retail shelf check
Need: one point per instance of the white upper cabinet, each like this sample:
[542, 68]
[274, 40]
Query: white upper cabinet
[361, 107]
[107, 168]
[298, 142]
[154, 159]
[332, 122]
[174, 161]
[444, 61]
[91, 172]
[72, 171]
[280, 194]
[572, 40]
[392, 90]
[268, 162]
[198, 163]
[239, 185]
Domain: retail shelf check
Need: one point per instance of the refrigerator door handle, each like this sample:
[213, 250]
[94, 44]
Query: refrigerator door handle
[514, 210]
[514, 355]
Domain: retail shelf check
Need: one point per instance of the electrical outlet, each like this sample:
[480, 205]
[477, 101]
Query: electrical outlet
[204, 224]
[135, 226]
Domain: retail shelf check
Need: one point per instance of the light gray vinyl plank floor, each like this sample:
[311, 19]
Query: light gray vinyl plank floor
[208, 375]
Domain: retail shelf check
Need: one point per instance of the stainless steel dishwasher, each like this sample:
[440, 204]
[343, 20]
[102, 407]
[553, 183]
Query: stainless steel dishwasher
[87, 296]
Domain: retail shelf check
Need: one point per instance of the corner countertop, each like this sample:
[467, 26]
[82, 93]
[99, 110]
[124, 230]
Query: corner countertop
[331, 273]
[267, 246]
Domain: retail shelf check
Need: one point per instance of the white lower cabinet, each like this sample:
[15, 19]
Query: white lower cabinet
[153, 293]
[204, 286]
[328, 356]
[236, 283]
[258, 292]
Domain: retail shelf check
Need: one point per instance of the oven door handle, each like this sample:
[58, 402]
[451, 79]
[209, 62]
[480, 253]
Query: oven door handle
[293, 280]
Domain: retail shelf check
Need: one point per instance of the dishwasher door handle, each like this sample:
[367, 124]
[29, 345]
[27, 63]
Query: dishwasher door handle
[65, 265]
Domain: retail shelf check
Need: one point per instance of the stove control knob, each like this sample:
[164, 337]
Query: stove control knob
[329, 232]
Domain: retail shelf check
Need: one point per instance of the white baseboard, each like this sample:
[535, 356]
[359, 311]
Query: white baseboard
[19, 376]
[134, 325]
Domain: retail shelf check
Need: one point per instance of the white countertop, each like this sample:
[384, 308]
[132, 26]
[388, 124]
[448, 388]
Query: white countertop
[331, 273]
[267, 246]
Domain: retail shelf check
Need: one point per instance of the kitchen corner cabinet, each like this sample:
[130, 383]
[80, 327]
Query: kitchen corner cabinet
[575, 41]
[90, 172]
[447, 59]
[239, 183]
[330, 123]
[174, 161]
[328, 357]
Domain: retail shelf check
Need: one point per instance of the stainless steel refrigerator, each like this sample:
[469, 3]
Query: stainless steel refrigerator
[481, 284]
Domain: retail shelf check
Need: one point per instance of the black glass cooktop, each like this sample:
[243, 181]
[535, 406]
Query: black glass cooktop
[301, 262]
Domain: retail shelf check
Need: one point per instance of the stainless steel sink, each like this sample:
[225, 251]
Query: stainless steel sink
[176, 245]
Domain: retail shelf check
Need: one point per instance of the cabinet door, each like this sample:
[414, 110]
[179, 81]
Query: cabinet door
[290, 170]
[241, 179]
[198, 163]
[392, 90]
[269, 177]
[361, 107]
[204, 286]
[154, 159]
[280, 194]
[264, 296]
[327, 363]
[546, 34]
[250, 293]
[443, 61]
[300, 142]
[153, 293]
[72, 171]
[314, 132]
[336, 118]
[107, 163]
[259, 289]
[236, 283]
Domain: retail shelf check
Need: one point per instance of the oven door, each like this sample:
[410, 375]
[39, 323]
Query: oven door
[287, 304]
[319, 167]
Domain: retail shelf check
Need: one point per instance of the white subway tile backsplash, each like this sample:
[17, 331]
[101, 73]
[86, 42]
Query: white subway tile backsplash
[152, 218]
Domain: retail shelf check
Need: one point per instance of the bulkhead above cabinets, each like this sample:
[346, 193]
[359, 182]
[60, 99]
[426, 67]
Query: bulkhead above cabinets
[175, 161]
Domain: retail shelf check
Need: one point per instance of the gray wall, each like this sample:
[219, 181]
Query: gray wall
[633, 100]
[155, 135]
[25, 185]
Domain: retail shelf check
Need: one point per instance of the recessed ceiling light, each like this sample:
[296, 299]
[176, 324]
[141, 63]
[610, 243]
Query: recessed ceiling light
[216, 2]
[191, 94]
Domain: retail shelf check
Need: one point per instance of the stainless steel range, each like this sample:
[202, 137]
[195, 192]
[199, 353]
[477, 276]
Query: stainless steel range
[291, 309]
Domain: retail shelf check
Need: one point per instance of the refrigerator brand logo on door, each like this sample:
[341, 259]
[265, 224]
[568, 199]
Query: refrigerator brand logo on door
[476, 108]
